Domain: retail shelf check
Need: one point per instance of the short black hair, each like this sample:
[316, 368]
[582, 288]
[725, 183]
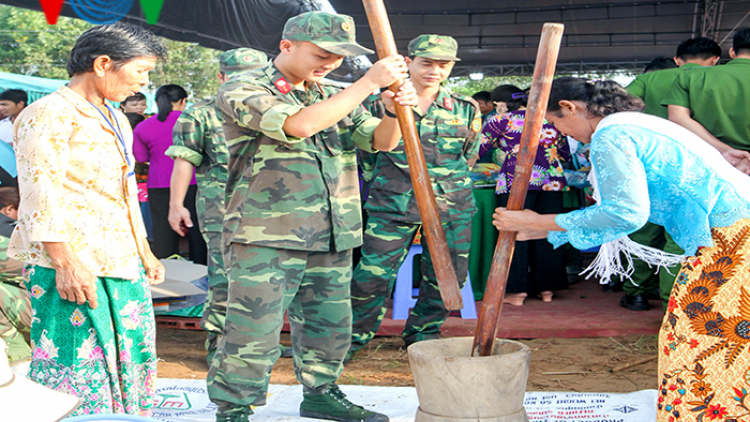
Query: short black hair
[15, 95]
[138, 96]
[122, 42]
[482, 96]
[660, 63]
[9, 196]
[601, 98]
[698, 48]
[741, 41]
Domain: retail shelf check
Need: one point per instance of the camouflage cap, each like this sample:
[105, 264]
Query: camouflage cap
[435, 47]
[240, 59]
[329, 31]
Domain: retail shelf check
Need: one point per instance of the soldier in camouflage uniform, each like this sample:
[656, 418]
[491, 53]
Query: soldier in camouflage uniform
[366, 160]
[293, 215]
[449, 126]
[198, 142]
[15, 305]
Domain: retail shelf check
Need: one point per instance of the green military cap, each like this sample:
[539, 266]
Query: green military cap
[240, 59]
[435, 47]
[329, 31]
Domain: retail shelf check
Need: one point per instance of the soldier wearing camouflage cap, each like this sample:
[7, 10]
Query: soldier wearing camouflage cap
[233, 62]
[293, 215]
[198, 144]
[434, 47]
[448, 125]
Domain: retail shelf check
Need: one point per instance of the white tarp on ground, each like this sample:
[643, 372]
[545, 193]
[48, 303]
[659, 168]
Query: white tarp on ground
[180, 400]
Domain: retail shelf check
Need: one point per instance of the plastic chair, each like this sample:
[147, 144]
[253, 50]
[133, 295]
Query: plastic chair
[405, 296]
[108, 418]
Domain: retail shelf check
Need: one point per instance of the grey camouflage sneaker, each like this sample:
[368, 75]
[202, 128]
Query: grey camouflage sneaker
[230, 412]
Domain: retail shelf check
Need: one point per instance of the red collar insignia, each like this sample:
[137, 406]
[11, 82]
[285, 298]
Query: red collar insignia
[448, 103]
[283, 86]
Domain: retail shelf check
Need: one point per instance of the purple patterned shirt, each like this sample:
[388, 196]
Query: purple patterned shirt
[504, 132]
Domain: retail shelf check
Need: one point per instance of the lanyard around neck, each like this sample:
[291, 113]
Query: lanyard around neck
[115, 128]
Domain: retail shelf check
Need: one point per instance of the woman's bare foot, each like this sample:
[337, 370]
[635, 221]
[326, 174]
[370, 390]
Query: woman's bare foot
[546, 296]
[515, 299]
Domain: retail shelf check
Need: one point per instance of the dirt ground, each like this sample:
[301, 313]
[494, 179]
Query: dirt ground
[582, 365]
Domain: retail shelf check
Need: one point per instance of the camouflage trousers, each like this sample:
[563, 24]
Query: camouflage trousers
[263, 284]
[215, 308]
[15, 319]
[386, 244]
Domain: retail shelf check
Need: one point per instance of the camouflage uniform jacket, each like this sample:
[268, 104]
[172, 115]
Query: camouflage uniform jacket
[198, 137]
[286, 192]
[450, 136]
[11, 270]
[366, 160]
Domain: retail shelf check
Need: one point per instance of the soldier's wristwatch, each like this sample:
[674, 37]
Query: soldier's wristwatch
[389, 114]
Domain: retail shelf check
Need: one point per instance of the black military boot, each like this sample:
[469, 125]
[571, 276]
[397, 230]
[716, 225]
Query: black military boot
[635, 303]
[332, 404]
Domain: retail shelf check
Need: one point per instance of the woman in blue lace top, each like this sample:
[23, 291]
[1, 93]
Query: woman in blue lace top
[649, 169]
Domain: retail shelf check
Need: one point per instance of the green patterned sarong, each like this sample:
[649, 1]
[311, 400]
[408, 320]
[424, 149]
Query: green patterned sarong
[105, 356]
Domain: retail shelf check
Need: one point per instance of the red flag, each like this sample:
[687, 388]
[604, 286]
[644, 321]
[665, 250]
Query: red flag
[51, 10]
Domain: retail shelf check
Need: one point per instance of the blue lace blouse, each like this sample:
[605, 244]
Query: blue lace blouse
[650, 169]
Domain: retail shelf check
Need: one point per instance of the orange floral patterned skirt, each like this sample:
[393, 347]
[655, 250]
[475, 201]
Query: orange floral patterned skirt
[704, 342]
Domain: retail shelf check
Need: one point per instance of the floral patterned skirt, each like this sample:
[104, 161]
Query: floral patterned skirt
[105, 356]
[704, 356]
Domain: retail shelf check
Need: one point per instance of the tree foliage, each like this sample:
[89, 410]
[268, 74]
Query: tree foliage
[32, 47]
[468, 87]
[191, 66]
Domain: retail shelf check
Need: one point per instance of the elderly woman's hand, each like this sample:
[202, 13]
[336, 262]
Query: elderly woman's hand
[76, 284]
[529, 224]
[73, 280]
[505, 219]
[154, 268]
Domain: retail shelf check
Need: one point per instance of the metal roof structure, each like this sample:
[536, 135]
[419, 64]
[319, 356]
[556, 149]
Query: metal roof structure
[496, 37]
[500, 38]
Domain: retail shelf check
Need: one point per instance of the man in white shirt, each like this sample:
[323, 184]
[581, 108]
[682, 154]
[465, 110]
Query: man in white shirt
[6, 127]
[12, 102]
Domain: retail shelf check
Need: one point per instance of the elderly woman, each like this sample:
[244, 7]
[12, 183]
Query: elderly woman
[80, 229]
[649, 169]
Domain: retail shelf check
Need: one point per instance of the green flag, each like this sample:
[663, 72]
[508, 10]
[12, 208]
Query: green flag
[152, 9]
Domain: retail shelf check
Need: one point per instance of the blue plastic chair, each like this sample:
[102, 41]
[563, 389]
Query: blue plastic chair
[107, 418]
[405, 296]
